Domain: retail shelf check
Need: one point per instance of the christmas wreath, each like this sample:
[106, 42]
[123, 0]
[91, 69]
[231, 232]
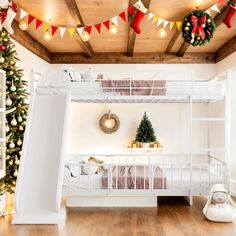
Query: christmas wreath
[198, 28]
[113, 120]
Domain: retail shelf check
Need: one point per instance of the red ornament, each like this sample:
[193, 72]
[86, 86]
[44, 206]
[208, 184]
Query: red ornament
[2, 47]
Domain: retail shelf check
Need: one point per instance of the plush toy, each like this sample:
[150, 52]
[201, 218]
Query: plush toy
[220, 207]
[8, 12]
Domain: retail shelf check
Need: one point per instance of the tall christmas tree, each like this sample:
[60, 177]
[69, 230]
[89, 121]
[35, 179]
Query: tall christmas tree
[16, 111]
[145, 132]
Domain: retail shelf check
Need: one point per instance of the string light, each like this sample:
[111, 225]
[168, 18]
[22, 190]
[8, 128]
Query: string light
[113, 29]
[23, 25]
[198, 2]
[85, 36]
[162, 33]
[47, 36]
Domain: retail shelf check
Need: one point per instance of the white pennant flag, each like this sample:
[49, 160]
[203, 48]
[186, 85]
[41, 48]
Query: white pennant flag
[159, 21]
[23, 14]
[215, 8]
[165, 23]
[208, 12]
[62, 31]
[114, 20]
[150, 16]
[80, 30]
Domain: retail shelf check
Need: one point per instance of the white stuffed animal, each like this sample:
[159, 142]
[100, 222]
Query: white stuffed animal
[219, 207]
[10, 10]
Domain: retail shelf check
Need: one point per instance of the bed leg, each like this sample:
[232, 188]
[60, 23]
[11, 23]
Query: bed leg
[157, 201]
[189, 199]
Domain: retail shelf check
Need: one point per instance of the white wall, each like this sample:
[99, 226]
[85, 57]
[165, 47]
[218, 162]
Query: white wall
[29, 61]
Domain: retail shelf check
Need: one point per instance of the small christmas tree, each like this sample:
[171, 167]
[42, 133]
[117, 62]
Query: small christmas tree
[145, 131]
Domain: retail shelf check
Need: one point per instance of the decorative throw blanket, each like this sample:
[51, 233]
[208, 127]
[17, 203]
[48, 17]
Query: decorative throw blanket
[125, 178]
[139, 87]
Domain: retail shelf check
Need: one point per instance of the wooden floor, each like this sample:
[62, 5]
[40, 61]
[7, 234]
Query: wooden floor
[173, 217]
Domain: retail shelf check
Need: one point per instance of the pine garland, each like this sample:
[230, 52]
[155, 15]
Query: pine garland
[16, 111]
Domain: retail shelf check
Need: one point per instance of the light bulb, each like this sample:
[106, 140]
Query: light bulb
[47, 36]
[162, 33]
[23, 25]
[113, 29]
[85, 36]
[198, 2]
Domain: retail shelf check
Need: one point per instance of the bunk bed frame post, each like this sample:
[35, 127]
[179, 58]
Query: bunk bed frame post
[227, 128]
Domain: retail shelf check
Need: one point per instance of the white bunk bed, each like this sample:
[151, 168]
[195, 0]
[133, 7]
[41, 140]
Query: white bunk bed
[190, 174]
[141, 177]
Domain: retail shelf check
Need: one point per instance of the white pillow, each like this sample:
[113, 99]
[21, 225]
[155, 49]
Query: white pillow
[89, 168]
[76, 76]
[90, 76]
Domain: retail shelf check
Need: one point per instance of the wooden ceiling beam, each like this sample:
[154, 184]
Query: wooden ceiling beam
[173, 40]
[139, 58]
[132, 34]
[227, 49]
[30, 43]
[78, 20]
[218, 19]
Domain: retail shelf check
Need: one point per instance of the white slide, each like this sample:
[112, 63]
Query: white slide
[39, 183]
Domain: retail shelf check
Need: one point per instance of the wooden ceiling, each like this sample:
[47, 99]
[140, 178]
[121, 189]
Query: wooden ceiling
[125, 46]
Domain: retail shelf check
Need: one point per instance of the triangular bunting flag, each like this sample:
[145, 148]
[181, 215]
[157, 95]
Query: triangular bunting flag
[208, 12]
[45, 27]
[71, 31]
[222, 2]
[54, 29]
[215, 8]
[132, 10]
[80, 30]
[114, 20]
[98, 27]
[179, 24]
[30, 19]
[150, 16]
[62, 31]
[122, 15]
[172, 25]
[154, 19]
[159, 21]
[165, 23]
[88, 29]
[38, 23]
[107, 24]
[23, 14]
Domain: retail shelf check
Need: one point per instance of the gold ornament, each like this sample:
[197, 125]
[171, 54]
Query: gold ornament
[186, 28]
[13, 122]
[12, 145]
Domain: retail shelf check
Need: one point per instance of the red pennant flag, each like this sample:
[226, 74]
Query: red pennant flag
[98, 27]
[30, 19]
[88, 29]
[38, 23]
[122, 16]
[131, 10]
[107, 24]
[54, 29]
[222, 2]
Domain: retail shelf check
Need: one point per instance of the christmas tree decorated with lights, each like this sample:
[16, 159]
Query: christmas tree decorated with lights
[16, 111]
